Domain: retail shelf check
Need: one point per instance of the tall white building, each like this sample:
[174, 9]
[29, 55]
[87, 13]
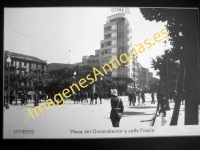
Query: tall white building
[117, 37]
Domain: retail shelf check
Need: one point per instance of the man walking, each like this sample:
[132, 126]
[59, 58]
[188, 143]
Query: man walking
[161, 102]
[81, 96]
[134, 98]
[143, 98]
[100, 97]
[36, 98]
[130, 98]
[95, 96]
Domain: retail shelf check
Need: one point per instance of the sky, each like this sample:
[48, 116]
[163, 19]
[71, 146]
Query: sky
[65, 34]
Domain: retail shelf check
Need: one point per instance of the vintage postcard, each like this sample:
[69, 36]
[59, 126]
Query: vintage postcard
[100, 72]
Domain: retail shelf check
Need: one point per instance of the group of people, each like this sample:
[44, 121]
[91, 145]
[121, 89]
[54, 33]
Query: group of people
[117, 107]
[132, 97]
[25, 97]
[82, 97]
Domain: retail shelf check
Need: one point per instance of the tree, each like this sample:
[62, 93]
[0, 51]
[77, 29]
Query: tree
[168, 72]
[183, 32]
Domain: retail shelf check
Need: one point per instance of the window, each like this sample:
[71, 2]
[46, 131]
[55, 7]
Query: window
[107, 51]
[107, 36]
[31, 65]
[112, 20]
[108, 43]
[102, 52]
[105, 59]
[107, 29]
[13, 63]
[101, 45]
[39, 67]
[22, 64]
[17, 63]
[34, 66]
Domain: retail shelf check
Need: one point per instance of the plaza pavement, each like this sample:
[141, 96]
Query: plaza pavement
[85, 120]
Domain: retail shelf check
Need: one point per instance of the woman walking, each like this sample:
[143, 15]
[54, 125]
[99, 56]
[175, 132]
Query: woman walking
[117, 108]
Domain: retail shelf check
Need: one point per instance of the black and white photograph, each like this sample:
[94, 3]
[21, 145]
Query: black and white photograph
[100, 72]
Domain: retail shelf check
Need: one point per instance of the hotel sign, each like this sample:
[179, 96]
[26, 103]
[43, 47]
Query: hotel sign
[123, 10]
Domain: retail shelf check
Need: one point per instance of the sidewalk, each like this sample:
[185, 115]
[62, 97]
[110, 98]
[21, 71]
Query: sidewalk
[165, 121]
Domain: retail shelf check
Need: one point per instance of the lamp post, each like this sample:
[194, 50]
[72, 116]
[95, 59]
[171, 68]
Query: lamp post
[8, 99]
[74, 77]
[16, 82]
[100, 87]
[27, 70]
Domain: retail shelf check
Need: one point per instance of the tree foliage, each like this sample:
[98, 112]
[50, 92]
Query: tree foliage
[183, 33]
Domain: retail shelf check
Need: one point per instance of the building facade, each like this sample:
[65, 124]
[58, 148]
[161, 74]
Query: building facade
[21, 63]
[116, 42]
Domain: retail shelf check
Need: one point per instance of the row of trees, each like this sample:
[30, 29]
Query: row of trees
[53, 82]
[182, 26]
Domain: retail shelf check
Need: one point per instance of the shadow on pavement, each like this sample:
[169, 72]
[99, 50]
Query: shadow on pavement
[132, 113]
[143, 107]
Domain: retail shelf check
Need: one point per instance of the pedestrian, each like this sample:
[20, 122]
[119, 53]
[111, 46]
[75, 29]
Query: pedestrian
[22, 98]
[74, 97]
[138, 96]
[106, 96]
[53, 98]
[161, 102]
[100, 97]
[134, 98]
[130, 98]
[36, 98]
[86, 96]
[81, 97]
[40, 96]
[143, 98]
[95, 96]
[91, 98]
[117, 108]
[11, 97]
[78, 97]
[152, 98]
[25, 98]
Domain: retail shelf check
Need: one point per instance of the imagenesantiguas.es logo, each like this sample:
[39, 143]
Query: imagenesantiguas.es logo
[23, 131]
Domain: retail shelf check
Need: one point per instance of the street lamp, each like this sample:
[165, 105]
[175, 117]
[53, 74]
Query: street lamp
[74, 77]
[8, 99]
[27, 70]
